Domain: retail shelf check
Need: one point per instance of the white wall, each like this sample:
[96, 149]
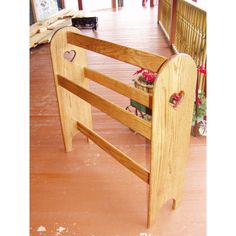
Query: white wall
[71, 4]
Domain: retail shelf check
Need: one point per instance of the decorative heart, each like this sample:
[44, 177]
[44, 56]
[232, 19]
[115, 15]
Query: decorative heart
[176, 98]
[70, 55]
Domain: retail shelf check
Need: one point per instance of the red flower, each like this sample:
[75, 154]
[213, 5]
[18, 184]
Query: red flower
[139, 71]
[202, 69]
[149, 76]
[199, 101]
[146, 76]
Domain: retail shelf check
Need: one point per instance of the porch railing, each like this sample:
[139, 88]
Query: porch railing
[184, 24]
[164, 16]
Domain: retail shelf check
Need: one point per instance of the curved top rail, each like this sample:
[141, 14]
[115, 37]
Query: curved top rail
[122, 53]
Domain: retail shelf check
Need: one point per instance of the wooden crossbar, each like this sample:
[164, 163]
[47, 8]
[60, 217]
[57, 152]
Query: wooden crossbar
[139, 125]
[121, 157]
[128, 91]
[122, 53]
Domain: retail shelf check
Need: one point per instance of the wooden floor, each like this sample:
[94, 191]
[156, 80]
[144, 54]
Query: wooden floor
[86, 191]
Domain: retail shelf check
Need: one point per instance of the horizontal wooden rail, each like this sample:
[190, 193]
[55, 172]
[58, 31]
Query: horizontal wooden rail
[128, 91]
[139, 125]
[122, 53]
[121, 157]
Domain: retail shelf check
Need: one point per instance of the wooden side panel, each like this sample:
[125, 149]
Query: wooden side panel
[122, 53]
[170, 132]
[72, 108]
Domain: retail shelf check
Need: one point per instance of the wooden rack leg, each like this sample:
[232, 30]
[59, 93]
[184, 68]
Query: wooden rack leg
[170, 132]
[68, 61]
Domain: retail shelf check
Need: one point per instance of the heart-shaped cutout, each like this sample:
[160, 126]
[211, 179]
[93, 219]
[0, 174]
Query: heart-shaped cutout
[176, 98]
[70, 55]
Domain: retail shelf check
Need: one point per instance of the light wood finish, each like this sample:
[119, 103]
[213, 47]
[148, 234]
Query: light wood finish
[121, 157]
[56, 24]
[50, 32]
[187, 32]
[135, 123]
[164, 14]
[34, 29]
[122, 53]
[72, 108]
[164, 31]
[191, 33]
[170, 126]
[170, 132]
[85, 191]
[37, 37]
[42, 31]
[121, 88]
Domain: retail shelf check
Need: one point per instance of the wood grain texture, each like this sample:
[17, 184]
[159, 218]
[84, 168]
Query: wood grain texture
[164, 16]
[42, 31]
[85, 190]
[50, 32]
[191, 31]
[170, 132]
[191, 34]
[125, 117]
[72, 108]
[121, 157]
[122, 53]
[121, 88]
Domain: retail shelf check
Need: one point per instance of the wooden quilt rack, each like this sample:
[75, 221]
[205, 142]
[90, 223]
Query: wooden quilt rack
[169, 130]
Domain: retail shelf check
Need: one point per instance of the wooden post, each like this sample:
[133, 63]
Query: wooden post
[196, 128]
[120, 3]
[151, 3]
[113, 3]
[80, 4]
[159, 11]
[62, 4]
[34, 10]
[173, 22]
[171, 128]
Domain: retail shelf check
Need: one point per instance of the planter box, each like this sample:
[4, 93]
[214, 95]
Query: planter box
[140, 107]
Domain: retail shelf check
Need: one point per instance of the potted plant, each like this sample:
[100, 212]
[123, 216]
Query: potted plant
[144, 80]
